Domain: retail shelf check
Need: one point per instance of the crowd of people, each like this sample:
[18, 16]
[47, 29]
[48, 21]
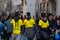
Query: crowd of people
[43, 27]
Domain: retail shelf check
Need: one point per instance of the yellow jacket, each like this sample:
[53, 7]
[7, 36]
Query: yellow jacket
[29, 23]
[43, 24]
[16, 26]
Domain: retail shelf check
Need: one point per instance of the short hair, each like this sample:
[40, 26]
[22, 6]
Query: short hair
[43, 14]
[50, 15]
[16, 14]
[28, 13]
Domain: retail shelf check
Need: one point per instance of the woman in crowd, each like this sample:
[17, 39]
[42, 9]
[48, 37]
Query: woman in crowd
[57, 34]
[58, 24]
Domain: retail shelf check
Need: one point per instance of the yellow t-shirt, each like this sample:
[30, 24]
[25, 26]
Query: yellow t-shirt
[29, 23]
[16, 26]
[43, 24]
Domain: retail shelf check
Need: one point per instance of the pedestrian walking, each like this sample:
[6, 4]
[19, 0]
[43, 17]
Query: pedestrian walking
[3, 18]
[57, 33]
[9, 27]
[1, 29]
[16, 24]
[58, 24]
[29, 26]
[52, 25]
[37, 28]
[43, 25]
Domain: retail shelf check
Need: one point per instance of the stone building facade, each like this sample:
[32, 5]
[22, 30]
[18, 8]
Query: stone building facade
[5, 5]
[32, 6]
[39, 6]
[46, 6]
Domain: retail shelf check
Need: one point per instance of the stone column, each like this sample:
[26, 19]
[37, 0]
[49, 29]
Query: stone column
[57, 7]
[24, 8]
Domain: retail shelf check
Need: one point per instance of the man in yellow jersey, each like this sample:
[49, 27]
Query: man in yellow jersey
[43, 25]
[29, 26]
[16, 24]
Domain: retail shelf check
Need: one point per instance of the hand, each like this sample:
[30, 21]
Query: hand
[52, 30]
[5, 27]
